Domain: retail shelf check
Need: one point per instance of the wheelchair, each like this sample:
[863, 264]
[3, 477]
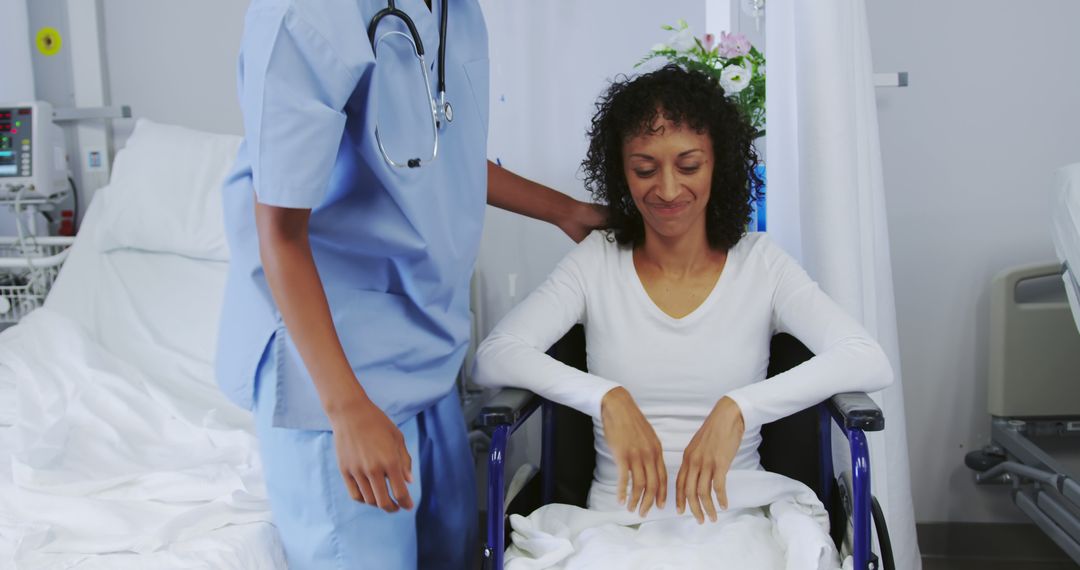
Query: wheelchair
[798, 446]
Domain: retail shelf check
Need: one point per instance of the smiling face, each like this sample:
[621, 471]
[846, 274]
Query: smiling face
[669, 171]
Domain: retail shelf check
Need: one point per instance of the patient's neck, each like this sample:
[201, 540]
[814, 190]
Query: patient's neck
[680, 256]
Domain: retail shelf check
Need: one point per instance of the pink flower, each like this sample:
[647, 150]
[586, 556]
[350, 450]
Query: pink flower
[733, 45]
[708, 41]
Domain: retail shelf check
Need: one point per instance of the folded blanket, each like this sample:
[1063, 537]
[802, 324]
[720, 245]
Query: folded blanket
[772, 522]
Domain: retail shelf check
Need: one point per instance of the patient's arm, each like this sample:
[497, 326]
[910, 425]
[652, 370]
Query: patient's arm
[707, 459]
[847, 358]
[514, 354]
[639, 456]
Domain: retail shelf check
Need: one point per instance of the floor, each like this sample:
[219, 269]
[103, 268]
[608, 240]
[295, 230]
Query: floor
[942, 563]
[971, 546]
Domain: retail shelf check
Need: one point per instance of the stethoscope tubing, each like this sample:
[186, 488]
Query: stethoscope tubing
[441, 112]
[414, 162]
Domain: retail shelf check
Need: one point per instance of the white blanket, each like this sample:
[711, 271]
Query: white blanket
[773, 523]
[110, 469]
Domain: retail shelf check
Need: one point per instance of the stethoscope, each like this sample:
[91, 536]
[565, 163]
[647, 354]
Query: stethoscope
[440, 112]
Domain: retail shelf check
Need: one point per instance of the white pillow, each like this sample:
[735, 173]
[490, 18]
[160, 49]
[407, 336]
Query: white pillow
[165, 193]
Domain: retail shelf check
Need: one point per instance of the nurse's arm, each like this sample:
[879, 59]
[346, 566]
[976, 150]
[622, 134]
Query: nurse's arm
[514, 193]
[371, 449]
[298, 293]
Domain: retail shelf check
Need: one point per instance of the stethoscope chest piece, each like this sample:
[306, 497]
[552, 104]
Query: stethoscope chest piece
[446, 110]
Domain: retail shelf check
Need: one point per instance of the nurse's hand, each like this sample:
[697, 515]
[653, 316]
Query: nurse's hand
[371, 452]
[707, 459]
[583, 219]
[638, 454]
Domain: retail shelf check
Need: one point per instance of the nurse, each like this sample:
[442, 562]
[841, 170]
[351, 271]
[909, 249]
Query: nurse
[346, 313]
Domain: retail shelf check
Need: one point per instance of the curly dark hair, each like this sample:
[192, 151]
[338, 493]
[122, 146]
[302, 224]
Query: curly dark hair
[693, 99]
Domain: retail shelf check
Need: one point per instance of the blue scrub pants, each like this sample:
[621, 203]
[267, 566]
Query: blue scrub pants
[322, 527]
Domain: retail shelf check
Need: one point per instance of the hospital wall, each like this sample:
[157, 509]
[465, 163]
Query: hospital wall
[175, 62]
[969, 151]
[18, 79]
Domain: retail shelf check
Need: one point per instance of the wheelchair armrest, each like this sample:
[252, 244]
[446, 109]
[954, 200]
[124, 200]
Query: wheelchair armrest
[857, 411]
[507, 407]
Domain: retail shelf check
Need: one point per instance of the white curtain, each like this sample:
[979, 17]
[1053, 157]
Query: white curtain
[17, 85]
[827, 202]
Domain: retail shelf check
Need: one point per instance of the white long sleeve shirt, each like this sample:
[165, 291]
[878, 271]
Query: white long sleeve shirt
[678, 368]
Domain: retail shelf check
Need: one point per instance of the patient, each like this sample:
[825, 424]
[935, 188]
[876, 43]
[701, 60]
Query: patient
[679, 304]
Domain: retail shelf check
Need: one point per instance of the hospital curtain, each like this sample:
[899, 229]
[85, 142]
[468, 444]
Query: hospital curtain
[827, 202]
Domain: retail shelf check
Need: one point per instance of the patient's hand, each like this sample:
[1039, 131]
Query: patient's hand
[707, 459]
[638, 453]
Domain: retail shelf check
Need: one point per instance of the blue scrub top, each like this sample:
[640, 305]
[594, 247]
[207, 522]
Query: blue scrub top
[395, 248]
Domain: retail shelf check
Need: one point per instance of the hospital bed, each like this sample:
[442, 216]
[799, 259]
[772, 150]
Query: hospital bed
[1034, 388]
[117, 449]
[799, 447]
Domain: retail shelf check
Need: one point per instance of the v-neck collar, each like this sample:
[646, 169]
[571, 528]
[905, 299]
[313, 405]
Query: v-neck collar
[643, 294]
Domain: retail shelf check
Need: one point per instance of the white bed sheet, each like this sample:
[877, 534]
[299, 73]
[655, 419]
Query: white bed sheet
[123, 453]
[1066, 231]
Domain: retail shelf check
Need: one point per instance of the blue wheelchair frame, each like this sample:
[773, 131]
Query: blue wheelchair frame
[854, 413]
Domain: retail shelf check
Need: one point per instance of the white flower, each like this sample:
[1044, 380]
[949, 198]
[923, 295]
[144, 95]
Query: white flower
[682, 41]
[660, 47]
[734, 78]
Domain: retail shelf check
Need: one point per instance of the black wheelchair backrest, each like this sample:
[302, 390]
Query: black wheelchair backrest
[789, 446]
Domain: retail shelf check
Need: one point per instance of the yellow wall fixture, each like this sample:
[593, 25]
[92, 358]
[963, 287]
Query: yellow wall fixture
[49, 41]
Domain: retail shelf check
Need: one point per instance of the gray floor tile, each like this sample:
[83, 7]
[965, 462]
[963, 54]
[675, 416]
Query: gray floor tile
[934, 563]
